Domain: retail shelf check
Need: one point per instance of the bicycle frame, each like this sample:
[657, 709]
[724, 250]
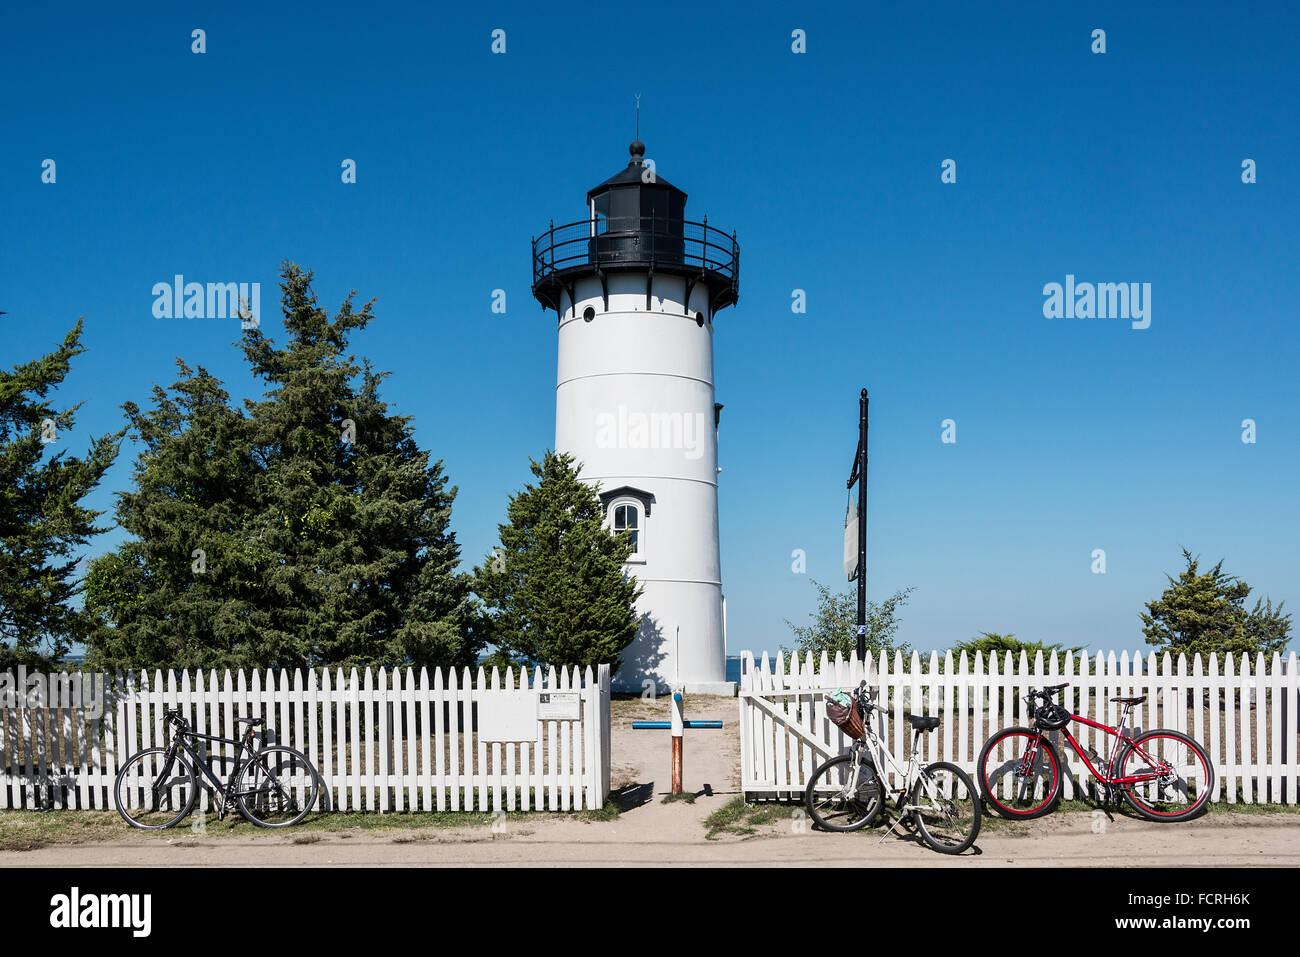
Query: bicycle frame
[882, 756]
[217, 787]
[183, 741]
[1106, 777]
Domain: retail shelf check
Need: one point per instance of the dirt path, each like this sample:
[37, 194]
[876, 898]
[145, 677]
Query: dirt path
[1248, 842]
[651, 833]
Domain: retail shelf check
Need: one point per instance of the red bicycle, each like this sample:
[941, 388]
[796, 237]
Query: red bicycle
[1164, 775]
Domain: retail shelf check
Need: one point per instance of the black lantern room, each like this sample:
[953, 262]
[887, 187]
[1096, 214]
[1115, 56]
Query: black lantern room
[635, 221]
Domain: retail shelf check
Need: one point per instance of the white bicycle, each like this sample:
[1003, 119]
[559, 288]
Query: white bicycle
[848, 792]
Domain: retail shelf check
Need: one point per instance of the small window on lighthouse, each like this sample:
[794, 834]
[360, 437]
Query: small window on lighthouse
[627, 518]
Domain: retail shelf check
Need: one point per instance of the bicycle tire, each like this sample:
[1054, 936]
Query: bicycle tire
[124, 779]
[968, 830]
[1146, 809]
[268, 794]
[989, 788]
[869, 811]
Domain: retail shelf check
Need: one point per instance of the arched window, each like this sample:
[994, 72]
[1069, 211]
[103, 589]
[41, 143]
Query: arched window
[627, 518]
[628, 510]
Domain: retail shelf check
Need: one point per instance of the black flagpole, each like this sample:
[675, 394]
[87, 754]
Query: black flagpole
[862, 529]
[859, 475]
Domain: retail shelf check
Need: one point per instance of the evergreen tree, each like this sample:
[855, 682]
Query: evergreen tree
[1204, 612]
[834, 625]
[556, 591]
[184, 591]
[42, 520]
[329, 528]
[996, 643]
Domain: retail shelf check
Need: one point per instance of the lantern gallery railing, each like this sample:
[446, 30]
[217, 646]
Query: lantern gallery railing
[674, 246]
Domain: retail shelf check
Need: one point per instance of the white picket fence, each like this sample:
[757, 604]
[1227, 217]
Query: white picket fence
[1245, 715]
[382, 741]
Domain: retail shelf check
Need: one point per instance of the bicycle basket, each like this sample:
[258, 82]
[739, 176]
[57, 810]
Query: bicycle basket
[843, 712]
[1052, 717]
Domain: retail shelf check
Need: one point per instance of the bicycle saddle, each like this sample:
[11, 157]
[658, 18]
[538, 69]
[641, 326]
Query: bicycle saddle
[923, 723]
[250, 721]
[1137, 700]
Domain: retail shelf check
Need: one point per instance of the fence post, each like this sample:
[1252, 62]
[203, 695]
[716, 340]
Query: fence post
[26, 743]
[10, 694]
[602, 771]
[1289, 729]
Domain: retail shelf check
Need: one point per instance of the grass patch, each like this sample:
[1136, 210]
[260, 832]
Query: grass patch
[1009, 827]
[738, 819]
[686, 797]
[1290, 810]
[609, 812]
[353, 821]
[991, 823]
[30, 830]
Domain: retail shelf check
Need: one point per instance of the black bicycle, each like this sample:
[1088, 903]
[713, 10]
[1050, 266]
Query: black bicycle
[272, 786]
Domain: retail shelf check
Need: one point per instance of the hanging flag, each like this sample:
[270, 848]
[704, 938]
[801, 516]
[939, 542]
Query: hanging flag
[851, 541]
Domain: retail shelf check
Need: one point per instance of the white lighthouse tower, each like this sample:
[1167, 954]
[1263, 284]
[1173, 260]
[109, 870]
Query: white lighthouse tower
[636, 287]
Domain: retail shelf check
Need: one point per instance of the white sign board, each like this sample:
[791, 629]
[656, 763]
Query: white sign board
[507, 716]
[559, 705]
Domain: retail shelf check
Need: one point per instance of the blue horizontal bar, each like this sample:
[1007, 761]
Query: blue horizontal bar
[702, 724]
[664, 725]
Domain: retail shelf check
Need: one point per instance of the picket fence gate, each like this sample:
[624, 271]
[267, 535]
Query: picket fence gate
[382, 741]
[1245, 717]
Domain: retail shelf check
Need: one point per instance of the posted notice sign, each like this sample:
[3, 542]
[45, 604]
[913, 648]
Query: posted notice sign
[505, 716]
[559, 706]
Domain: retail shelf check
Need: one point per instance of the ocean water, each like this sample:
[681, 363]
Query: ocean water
[733, 668]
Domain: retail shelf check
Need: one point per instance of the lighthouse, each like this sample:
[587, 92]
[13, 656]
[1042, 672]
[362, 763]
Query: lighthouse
[636, 287]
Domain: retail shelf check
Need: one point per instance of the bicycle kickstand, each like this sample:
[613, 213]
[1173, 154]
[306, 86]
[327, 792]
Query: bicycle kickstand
[899, 820]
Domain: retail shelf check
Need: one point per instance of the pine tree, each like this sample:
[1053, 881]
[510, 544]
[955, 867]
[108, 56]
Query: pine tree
[42, 520]
[327, 532]
[556, 591]
[997, 643]
[359, 517]
[184, 592]
[1204, 612]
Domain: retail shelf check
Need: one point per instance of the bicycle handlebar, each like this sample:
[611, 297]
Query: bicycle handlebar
[866, 696]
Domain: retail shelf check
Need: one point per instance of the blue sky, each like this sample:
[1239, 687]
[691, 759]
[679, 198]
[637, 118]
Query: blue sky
[1072, 434]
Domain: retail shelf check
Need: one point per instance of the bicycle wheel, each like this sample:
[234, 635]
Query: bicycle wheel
[831, 807]
[155, 789]
[1015, 784]
[1181, 789]
[277, 788]
[948, 813]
